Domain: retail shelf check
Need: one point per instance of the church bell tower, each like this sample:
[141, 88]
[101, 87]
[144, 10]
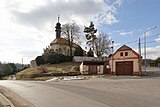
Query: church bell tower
[58, 29]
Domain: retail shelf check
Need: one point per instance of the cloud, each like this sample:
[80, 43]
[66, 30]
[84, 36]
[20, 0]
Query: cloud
[152, 52]
[126, 33]
[28, 26]
[82, 11]
[157, 39]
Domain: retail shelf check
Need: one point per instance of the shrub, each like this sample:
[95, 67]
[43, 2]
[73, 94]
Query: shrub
[6, 69]
[78, 52]
[39, 60]
[54, 58]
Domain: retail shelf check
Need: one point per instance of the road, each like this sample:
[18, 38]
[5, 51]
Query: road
[144, 92]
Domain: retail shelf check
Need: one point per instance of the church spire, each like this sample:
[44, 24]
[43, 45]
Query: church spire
[58, 29]
[58, 18]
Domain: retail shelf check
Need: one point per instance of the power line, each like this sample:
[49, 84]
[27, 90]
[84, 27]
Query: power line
[136, 41]
[150, 42]
[151, 36]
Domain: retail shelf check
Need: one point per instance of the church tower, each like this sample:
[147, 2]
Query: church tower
[58, 29]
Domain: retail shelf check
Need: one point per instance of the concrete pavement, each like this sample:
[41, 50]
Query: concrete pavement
[8, 98]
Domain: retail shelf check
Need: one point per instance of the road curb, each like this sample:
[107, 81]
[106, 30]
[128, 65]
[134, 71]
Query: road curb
[14, 99]
[5, 102]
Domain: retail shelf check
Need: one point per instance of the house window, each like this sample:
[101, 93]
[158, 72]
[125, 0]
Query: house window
[121, 54]
[107, 66]
[126, 53]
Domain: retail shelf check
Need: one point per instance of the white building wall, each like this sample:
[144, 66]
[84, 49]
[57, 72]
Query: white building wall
[131, 57]
[81, 68]
[64, 49]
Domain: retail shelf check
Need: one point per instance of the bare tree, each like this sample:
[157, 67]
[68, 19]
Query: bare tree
[71, 32]
[102, 45]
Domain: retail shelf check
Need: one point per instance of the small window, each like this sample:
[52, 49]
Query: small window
[121, 54]
[107, 66]
[126, 53]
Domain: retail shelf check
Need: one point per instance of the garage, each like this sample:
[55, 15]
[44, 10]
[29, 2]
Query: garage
[124, 68]
[125, 61]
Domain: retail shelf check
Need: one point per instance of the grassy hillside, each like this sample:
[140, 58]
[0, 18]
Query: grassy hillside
[67, 68]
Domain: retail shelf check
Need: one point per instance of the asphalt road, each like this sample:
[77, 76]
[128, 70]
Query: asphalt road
[89, 93]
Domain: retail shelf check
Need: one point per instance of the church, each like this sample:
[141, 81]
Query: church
[60, 45]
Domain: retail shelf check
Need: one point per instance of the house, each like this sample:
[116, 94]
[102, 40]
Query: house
[94, 67]
[125, 61]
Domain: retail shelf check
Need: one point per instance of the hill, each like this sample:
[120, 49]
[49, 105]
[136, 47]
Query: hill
[48, 71]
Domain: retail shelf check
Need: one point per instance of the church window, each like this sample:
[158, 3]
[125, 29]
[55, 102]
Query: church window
[60, 51]
[67, 51]
[57, 50]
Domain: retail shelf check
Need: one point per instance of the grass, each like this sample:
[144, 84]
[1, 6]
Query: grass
[30, 70]
[48, 69]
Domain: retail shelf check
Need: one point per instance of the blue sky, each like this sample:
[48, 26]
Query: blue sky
[134, 18]
[28, 26]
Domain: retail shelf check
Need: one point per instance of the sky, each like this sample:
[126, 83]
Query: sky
[28, 26]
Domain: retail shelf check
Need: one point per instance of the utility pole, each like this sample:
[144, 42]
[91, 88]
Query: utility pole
[140, 60]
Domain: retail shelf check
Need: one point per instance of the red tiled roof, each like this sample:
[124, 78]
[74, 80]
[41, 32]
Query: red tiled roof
[59, 41]
[124, 47]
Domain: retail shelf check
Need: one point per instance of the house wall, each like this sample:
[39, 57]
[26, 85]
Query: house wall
[131, 57]
[84, 69]
[101, 69]
[81, 68]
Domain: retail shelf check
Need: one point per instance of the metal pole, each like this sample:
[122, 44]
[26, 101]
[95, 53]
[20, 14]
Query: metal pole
[145, 53]
[112, 54]
[145, 62]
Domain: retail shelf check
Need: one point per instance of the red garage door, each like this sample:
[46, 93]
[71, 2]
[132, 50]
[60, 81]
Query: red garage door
[124, 68]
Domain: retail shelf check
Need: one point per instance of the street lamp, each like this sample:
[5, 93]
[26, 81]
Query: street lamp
[145, 64]
[112, 47]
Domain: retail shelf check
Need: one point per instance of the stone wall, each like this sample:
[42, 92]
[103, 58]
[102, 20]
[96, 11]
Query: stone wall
[33, 63]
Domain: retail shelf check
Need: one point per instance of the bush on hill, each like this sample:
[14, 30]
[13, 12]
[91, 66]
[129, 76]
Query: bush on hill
[39, 60]
[52, 58]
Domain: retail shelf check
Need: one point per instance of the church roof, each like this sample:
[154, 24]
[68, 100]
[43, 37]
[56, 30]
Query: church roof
[59, 41]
